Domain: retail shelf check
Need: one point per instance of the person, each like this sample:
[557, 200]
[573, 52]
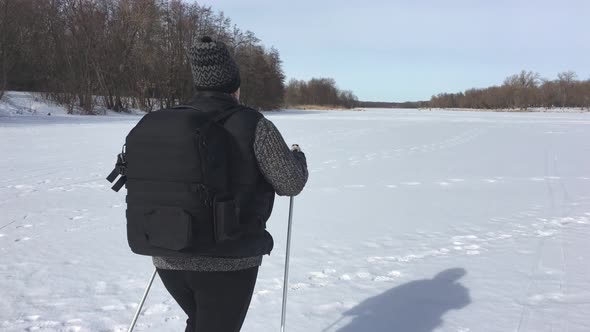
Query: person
[215, 292]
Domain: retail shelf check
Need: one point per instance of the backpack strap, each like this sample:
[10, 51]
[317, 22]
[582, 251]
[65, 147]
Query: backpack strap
[121, 165]
[226, 113]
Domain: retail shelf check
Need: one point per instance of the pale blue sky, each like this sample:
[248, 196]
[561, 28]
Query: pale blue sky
[410, 50]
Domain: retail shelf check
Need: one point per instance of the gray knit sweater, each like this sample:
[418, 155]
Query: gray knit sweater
[284, 169]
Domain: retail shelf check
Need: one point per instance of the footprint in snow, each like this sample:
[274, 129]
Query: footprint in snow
[25, 226]
[383, 278]
[22, 187]
[545, 298]
[392, 275]
[334, 306]
[157, 309]
[457, 180]
[49, 324]
[468, 237]
[115, 307]
[317, 275]
[345, 277]
[262, 292]
[298, 286]
[363, 275]
[541, 233]
[26, 238]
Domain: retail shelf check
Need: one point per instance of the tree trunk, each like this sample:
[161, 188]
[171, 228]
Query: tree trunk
[4, 78]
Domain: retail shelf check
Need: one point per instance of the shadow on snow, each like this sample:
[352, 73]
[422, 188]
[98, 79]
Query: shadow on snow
[416, 306]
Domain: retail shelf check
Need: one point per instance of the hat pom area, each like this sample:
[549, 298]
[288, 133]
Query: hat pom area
[213, 66]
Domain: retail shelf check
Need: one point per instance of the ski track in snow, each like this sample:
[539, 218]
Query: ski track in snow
[390, 204]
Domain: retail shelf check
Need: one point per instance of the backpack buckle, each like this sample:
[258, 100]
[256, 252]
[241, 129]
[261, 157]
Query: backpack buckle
[121, 165]
[120, 169]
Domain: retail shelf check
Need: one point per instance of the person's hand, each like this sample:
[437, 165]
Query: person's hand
[295, 147]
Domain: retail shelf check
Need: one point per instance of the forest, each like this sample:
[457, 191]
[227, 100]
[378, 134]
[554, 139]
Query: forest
[522, 91]
[123, 54]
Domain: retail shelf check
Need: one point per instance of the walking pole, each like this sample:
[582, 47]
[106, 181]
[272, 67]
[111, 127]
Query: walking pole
[287, 254]
[147, 290]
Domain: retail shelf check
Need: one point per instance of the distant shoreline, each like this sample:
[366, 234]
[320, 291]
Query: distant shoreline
[513, 110]
[321, 108]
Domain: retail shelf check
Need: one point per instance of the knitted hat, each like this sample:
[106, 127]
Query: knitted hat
[213, 67]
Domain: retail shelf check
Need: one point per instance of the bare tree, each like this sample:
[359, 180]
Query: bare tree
[123, 53]
[521, 91]
[8, 34]
[318, 92]
[566, 81]
[3, 45]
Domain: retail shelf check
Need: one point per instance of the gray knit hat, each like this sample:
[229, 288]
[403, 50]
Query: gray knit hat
[213, 67]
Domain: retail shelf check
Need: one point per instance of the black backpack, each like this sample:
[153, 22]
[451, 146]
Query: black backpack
[176, 165]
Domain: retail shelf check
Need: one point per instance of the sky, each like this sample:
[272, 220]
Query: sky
[410, 50]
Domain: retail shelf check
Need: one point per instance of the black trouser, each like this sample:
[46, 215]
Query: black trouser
[213, 301]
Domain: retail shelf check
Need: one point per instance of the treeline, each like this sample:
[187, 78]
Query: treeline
[385, 104]
[123, 54]
[318, 92]
[522, 91]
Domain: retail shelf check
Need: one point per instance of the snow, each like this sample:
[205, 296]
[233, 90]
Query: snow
[412, 221]
[34, 104]
[27, 103]
[531, 109]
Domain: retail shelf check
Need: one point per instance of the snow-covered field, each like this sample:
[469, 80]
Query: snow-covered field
[412, 222]
[34, 104]
[531, 109]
